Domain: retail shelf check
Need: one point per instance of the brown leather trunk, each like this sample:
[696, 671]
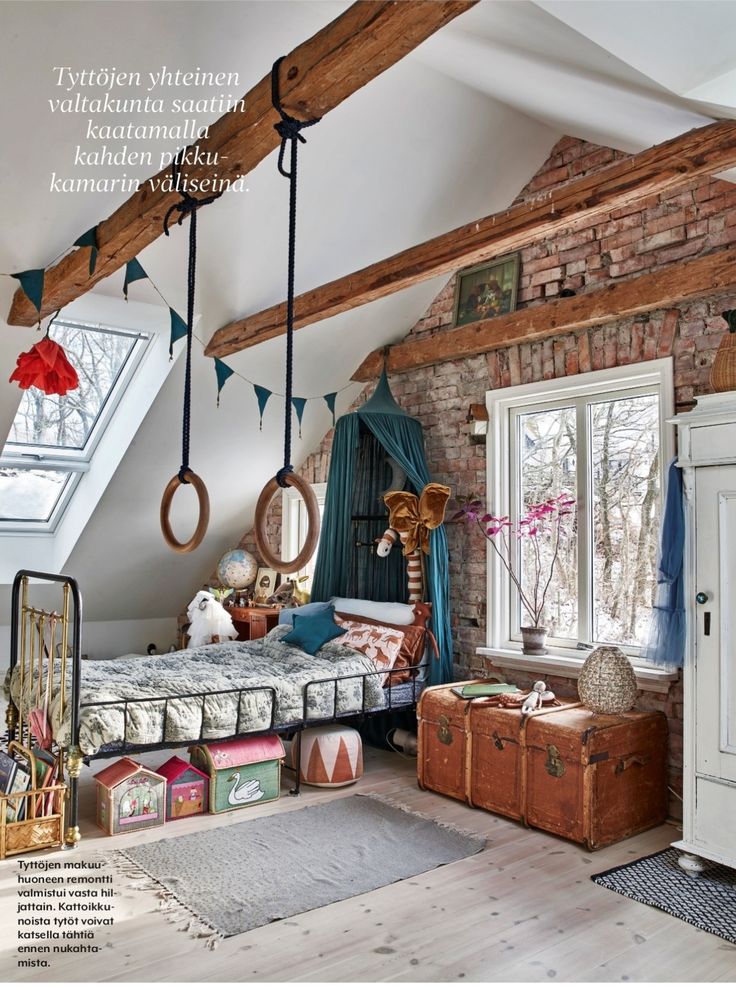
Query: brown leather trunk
[594, 779]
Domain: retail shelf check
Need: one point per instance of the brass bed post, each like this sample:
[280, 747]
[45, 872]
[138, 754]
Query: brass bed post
[27, 631]
[74, 753]
[19, 600]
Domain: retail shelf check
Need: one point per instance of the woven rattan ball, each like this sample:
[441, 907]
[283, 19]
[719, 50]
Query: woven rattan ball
[607, 683]
[723, 372]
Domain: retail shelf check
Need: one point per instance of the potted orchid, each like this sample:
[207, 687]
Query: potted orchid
[541, 532]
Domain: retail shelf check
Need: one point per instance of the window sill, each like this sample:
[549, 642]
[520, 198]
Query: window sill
[647, 678]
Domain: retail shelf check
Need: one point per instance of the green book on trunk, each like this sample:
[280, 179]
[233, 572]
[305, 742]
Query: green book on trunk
[487, 690]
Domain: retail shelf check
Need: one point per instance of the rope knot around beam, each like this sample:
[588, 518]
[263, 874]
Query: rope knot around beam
[188, 203]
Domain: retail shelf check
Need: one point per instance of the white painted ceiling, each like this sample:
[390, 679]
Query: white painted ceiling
[449, 134]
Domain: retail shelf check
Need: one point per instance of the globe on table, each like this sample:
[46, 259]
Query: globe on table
[237, 569]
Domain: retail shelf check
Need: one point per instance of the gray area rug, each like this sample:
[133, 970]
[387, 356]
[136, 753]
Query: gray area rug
[249, 873]
[707, 901]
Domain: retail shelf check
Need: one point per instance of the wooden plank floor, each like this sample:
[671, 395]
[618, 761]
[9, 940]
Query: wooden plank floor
[522, 910]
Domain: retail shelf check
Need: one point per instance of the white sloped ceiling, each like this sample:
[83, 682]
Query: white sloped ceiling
[449, 134]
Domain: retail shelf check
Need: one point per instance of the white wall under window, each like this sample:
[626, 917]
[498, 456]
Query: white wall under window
[602, 437]
[294, 526]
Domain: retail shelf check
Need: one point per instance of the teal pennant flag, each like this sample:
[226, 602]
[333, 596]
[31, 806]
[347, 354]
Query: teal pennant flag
[223, 372]
[299, 405]
[330, 400]
[133, 272]
[263, 395]
[89, 240]
[178, 330]
[32, 284]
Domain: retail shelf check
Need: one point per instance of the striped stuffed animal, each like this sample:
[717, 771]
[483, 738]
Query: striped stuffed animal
[413, 561]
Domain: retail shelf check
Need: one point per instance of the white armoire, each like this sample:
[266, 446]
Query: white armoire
[707, 455]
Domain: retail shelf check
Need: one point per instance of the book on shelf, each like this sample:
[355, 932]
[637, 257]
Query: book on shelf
[8, 766]
[14, 779]
[488, 689]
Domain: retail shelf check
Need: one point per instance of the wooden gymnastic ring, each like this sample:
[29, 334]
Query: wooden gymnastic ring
[204, 513]
[310, 544]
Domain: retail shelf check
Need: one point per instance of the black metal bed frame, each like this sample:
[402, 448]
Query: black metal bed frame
[123, 747]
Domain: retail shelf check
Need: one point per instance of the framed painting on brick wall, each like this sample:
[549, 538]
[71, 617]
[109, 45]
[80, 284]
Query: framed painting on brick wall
[486, 290]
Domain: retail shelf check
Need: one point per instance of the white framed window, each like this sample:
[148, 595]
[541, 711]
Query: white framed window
[53, 437]
[604, 439]
[294, 525]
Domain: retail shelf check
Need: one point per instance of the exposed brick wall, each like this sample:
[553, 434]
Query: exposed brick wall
[658, 231]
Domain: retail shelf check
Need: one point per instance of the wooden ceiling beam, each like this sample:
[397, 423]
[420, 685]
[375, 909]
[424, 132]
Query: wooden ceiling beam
[657, 290]
[661, 169]
[316, 77]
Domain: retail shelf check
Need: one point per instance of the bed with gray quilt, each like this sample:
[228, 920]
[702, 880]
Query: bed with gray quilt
[212, 692]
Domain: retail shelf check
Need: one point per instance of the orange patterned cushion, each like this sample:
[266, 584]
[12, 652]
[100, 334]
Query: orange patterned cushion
[379, 643]
[411, 652]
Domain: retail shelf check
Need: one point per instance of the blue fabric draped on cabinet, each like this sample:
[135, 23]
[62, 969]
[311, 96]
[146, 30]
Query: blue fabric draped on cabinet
[666, 646]
[401, 437]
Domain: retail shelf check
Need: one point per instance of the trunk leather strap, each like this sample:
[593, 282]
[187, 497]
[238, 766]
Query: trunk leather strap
[467, 715]
[523, 761]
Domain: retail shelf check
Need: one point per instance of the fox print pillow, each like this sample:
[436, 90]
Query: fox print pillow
[379, 643]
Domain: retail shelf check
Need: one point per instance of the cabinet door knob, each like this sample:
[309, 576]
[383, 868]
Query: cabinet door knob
[701, 598]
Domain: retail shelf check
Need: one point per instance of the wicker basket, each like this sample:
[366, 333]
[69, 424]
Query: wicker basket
[723, 372]
[607, 683]
[35, 831]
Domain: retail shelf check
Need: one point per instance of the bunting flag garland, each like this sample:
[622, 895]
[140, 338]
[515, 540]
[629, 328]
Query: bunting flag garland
[178, 330]
[32, 284]
[330, 400]
[299, 405]
[133, 272]
[263, 395]
[60, 376]
[223, 372]
[89, 239]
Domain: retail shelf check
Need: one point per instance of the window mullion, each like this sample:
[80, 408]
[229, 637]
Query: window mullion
[583, 494]
[60, 463]
[513, 489]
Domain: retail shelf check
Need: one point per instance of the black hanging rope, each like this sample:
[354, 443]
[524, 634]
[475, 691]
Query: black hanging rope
[289, 129]
[188, 206]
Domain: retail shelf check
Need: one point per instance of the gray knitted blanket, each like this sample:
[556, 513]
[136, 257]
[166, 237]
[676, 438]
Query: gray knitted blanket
[281, 671]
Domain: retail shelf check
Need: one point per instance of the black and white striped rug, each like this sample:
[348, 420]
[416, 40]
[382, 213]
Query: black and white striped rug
[707, 902]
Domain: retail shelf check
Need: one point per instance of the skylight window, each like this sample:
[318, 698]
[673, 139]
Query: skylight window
[53, 437]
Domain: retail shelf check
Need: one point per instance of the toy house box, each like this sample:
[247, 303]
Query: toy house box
[241, 771]
[187, 789]
[129, 797]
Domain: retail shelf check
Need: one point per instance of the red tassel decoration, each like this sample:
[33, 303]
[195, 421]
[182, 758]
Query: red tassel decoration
[46, 367]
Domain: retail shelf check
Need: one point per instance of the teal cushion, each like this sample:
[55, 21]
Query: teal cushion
[311, 632]
[286, 615]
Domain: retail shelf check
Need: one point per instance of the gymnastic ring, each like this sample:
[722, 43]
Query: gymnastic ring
[313, 525]
[204, 512]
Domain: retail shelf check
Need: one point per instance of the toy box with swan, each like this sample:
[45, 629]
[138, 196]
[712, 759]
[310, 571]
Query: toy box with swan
[241, 771]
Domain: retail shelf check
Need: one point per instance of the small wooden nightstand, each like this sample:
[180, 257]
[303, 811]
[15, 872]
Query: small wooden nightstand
[253, 623]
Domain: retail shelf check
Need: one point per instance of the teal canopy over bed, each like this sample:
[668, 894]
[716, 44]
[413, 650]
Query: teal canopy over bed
[380, 419]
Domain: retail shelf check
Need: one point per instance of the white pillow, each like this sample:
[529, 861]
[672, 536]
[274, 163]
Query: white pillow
[399, 613]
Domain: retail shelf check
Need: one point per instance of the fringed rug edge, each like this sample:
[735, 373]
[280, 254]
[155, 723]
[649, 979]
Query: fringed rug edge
[177, 912]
